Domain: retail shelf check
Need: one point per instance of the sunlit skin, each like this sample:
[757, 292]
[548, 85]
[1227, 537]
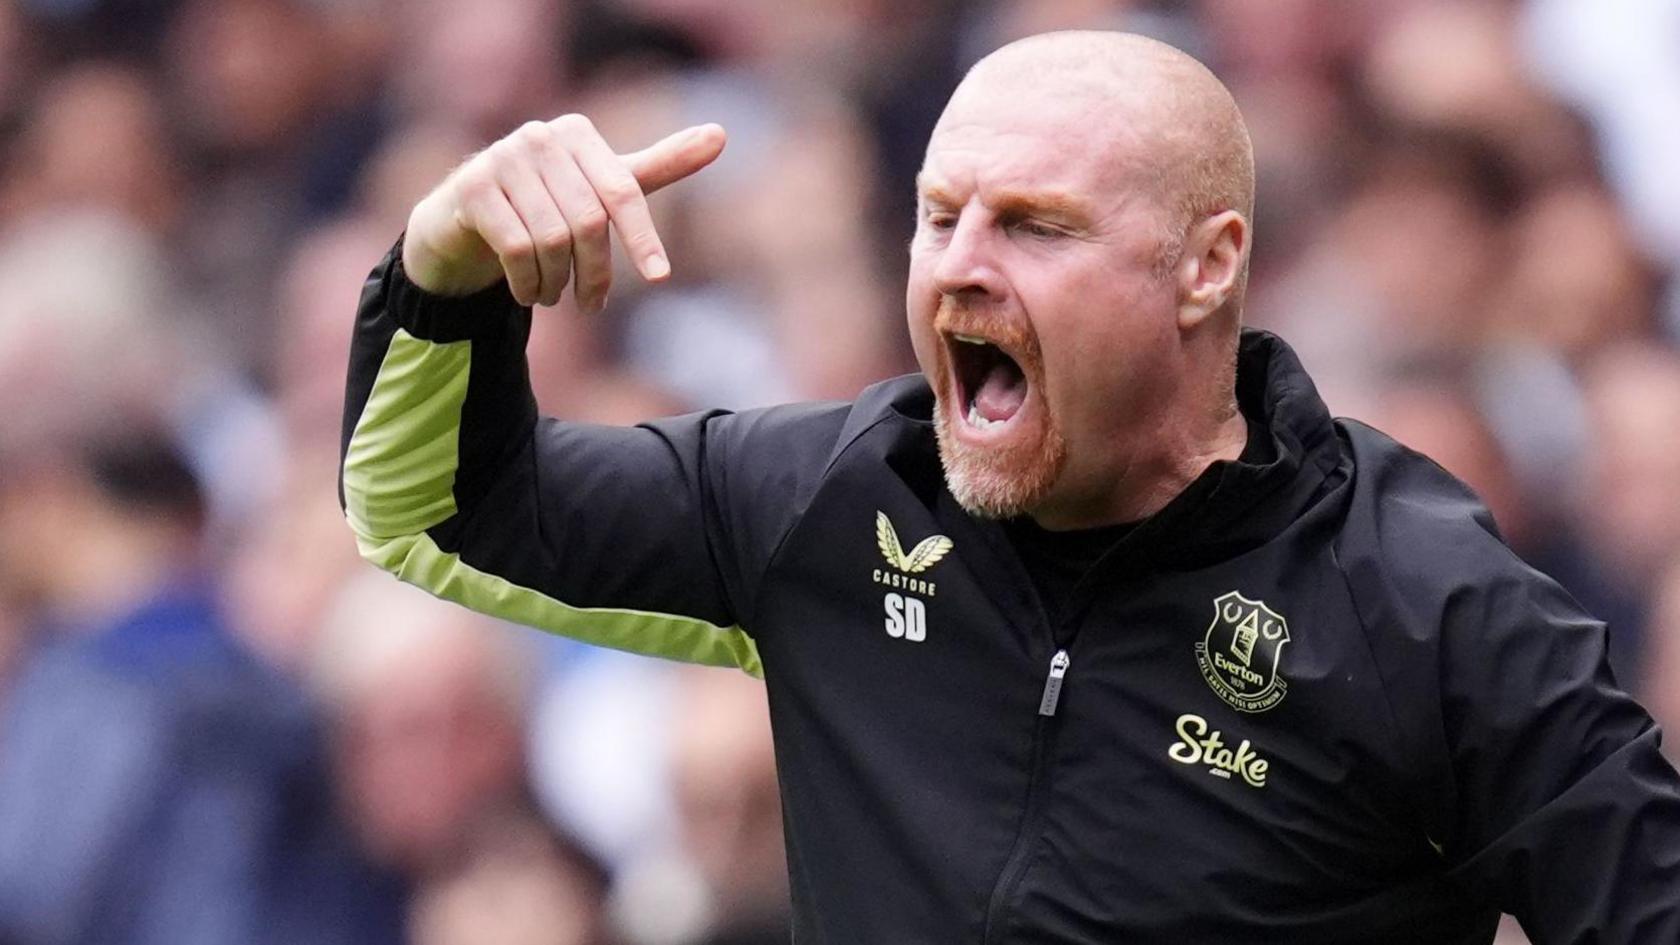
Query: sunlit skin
[1049, 224]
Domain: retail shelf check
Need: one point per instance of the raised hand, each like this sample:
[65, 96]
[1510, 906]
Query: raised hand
[536, 207]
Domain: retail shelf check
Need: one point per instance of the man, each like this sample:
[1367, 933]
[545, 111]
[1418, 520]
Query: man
[1101, 630]
[158, 784]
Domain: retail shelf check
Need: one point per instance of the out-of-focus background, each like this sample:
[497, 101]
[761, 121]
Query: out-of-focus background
[217, 725]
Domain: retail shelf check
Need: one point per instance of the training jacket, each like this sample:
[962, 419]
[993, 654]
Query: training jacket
[1314, 700]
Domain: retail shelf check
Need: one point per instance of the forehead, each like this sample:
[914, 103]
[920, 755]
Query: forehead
[1037, 137]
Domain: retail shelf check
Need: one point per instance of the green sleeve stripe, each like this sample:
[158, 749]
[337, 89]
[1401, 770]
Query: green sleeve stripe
[399, 470]
[399, 478]
[419, 561]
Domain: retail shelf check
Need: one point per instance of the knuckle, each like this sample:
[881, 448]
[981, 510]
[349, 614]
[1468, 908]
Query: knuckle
[556, 239]
[573, 124]
[518, 252]
[591, 221]
[620, 191]
[499, 157]
[474, 187]
[534, 135]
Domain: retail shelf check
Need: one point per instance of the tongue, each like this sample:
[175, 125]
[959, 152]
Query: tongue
[1002, 392]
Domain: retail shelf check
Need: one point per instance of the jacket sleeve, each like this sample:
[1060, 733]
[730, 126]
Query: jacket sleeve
[649, 539]
[1567, 815]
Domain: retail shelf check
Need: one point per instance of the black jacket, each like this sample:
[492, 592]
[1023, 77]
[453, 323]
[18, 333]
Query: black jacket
[1314, 700]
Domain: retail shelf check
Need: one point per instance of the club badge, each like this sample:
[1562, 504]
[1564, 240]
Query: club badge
[1239, 654]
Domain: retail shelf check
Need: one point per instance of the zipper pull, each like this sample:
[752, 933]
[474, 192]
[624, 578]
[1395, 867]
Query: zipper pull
[1053, 683]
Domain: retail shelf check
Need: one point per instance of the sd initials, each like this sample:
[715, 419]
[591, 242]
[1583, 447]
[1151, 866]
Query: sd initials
[906, 618]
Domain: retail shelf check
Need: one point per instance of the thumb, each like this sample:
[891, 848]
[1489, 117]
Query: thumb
[676, 156]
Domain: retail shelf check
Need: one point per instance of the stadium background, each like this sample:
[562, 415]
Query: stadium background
[1469, 224]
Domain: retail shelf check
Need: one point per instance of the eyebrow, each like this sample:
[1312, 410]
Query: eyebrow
[1012, 202]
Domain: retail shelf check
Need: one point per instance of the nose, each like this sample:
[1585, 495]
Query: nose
[967, 264]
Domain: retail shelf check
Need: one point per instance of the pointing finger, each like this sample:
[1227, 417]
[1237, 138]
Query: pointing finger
[677, 156]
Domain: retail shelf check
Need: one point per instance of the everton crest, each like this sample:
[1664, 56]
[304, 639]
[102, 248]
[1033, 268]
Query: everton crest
[1239, 655]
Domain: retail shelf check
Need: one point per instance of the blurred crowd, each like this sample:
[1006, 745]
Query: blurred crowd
[217, 725]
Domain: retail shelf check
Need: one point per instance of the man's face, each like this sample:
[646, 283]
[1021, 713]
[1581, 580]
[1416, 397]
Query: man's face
[1037, 301]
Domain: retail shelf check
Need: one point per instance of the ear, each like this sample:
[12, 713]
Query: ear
[1215, 254]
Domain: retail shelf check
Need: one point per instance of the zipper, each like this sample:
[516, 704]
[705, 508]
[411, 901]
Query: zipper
[1053, 683]
[1016, 863]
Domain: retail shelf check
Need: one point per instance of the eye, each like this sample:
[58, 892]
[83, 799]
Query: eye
[940, 219]
[1036, 229]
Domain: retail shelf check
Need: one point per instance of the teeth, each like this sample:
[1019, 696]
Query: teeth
[975, 420]
[970, 339]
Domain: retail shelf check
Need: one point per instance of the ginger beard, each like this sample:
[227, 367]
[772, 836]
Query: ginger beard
[1001, 447]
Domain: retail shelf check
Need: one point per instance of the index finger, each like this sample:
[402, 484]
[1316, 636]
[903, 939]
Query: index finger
[676, 156]
[621, 195]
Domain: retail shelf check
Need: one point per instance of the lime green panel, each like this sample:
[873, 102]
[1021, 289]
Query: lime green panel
[419, 561]
[399, 478]
[399, 471]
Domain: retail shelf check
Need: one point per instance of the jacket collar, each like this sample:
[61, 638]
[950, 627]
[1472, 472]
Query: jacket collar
[1235, 506]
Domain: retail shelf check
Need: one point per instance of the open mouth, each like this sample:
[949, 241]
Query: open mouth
[991, 387]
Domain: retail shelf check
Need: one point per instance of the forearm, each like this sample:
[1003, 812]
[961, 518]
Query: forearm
[408, 464]
[450, 483]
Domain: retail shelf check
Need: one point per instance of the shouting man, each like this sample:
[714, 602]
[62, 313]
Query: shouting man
[1100, 630]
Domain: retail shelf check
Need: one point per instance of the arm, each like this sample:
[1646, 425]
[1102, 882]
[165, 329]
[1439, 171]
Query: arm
[1569, 817]
[621, 537]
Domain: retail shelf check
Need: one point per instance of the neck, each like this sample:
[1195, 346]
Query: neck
[115, 570]
[1146, 485]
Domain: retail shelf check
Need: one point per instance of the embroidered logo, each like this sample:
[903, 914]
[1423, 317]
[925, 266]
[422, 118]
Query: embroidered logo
[925, 555]
[905, 614]
[1240, 651]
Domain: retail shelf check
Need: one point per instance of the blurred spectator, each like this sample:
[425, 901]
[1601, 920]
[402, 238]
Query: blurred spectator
[1575, 282]
[275, 137]
[157, 782]
[725, 883]
[409, 163]
[1401, 271]
[122, 347]
[482, 67]
[1630, 503]
[310, 334]
[73, 348]
[427, 703]
[1435, 412]
[729, 805]
[516, 883]
[1632, 500]
[286, 564]
[96, 138]
[1457, 68]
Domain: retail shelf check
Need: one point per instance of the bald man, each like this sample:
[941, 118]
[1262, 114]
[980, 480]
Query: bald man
[1099, 629]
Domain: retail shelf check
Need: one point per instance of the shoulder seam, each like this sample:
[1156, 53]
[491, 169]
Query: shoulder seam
[840, 450]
